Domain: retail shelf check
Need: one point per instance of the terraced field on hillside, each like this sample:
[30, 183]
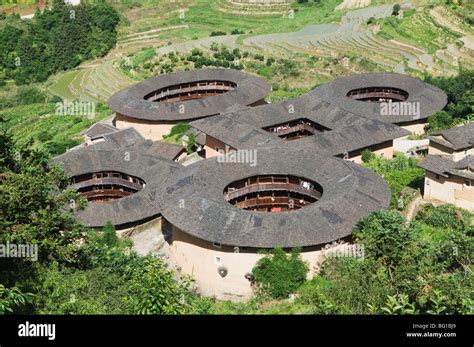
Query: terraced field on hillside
[91, 84]
[256, 8]
[348, 35]
[353, 36]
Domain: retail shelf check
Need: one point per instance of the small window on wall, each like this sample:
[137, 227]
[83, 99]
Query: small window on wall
[437, 176]
[467, 183]
[217, 245]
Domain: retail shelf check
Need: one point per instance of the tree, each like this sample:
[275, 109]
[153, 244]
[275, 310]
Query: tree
[460, 92]
[396, 9]
[110, 235]
[57, 38]
[191, 143]
[31, 213]
[11, 298]
[279, 274]
[367, 155]
[439, 121]
[385, 235]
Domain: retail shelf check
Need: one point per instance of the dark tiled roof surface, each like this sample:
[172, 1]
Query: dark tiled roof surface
[193, 200]
[445, 167]
[234, 133]
[456, 138]
[131, 101]
[431, 99]
[99, 129]
[127, 152]
[348, 139]
[350, 191]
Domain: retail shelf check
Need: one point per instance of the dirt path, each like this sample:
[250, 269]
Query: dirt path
[412, 208]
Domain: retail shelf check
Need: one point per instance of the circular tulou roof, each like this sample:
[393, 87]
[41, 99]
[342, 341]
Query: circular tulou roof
[135, 207]
[431, 99]
[193, 200]
[131, 101]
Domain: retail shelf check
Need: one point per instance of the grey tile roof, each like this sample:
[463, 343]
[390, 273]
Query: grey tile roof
[165, 150]
[193, 200]
[350, 191]
[136, 207]
[310, 107]
[99, 129]
[456, 138]
[431, 99]
[234, 133]
[348, 139]
[131, 101]
[445, 167]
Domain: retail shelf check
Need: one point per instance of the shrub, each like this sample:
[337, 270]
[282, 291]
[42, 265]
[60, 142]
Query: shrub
[218, 33]
[270, 61]
[29, 95]
[237, 32]
[55, 99]
[396, 9]
[110, 235]
[280, 274]
[444, 216]
[178, 129]
[439, 121]
[384, 235]
[367, 155]
[191, 143]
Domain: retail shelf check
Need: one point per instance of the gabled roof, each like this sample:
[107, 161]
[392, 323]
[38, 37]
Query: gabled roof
[99, 129]
[234, 133]
[348, 139]
[456, 138]
[165, 150]
[445, 167]
[312, 108]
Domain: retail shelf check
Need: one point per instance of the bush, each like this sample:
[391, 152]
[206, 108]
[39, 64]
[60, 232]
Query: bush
[191, 143]
[110, 235]
[384, 235]
[179, 129]
[279, 274]
[439, 121]
[55, 99]
[399, 173]
[396, 9]
[29, 95]
[237, 32]
[218, 33]
[270, 61]
[367, 156]
[444, 216]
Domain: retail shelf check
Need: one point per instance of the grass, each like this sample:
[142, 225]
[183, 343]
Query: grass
[61, 87]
